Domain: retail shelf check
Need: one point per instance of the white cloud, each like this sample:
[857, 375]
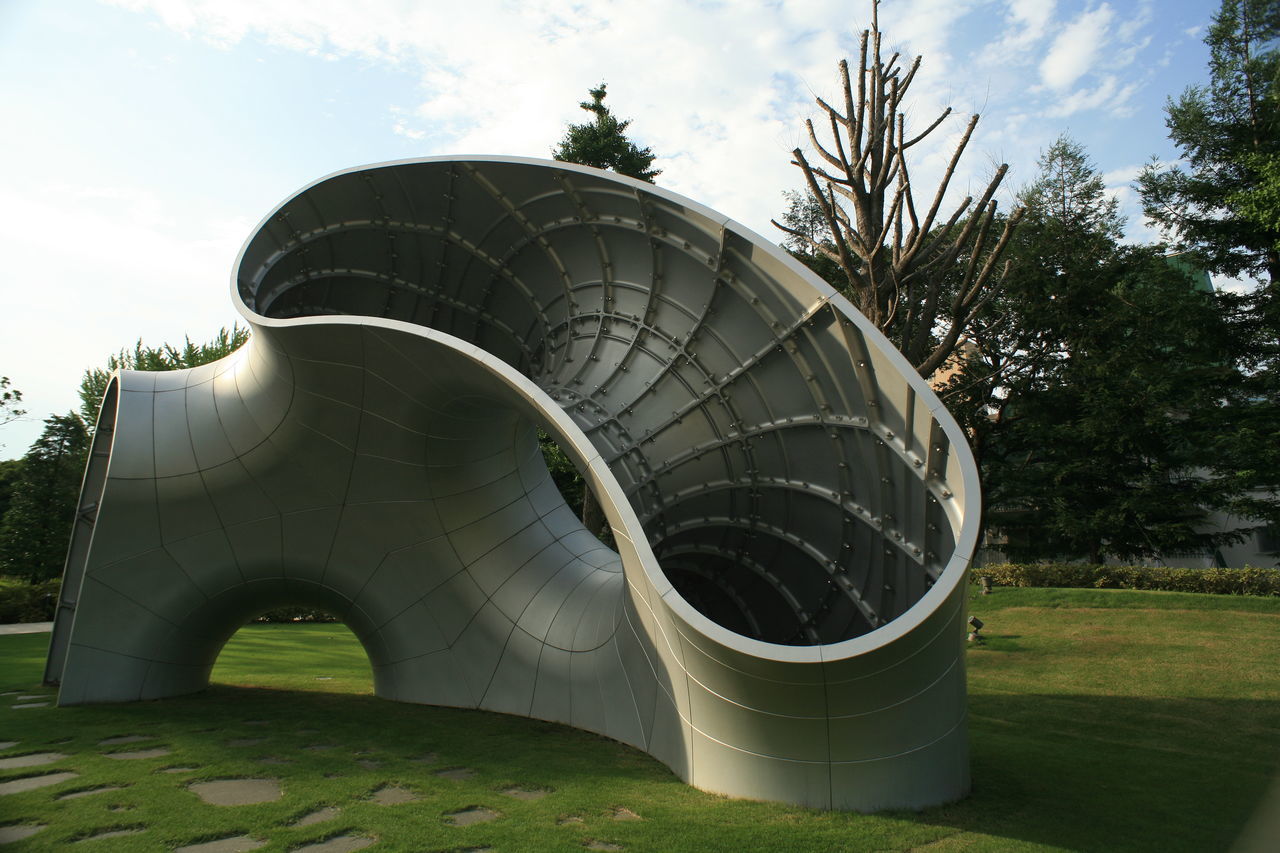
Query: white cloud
[1077, 48]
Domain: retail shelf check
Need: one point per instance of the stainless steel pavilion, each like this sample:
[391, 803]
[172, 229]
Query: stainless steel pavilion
[793, 508]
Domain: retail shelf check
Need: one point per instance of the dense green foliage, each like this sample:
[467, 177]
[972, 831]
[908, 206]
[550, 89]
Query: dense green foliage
[1099, 720]
[1093, 386]
[1223, 203]
[35, 529]
[21, 601]
[603, 143]
[1248, 581]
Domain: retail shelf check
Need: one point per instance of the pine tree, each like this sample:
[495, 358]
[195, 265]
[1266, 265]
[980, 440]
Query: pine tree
[36, 527]
[1225, 203]
[603, 143]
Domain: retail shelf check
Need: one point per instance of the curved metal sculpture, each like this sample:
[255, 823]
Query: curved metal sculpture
[793, 509]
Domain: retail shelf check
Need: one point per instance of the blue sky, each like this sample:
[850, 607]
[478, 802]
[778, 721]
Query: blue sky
[145, 138]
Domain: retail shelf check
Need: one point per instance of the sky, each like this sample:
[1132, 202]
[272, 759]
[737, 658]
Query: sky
[146, 138]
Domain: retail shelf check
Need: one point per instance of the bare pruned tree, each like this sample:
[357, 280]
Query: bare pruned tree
[921, 279]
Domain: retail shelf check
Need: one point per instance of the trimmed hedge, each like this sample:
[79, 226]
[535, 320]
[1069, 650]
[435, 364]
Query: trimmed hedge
[28, 602]
[1246, 581]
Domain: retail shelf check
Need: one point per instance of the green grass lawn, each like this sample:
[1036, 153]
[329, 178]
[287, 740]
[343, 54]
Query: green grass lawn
[1100, 720]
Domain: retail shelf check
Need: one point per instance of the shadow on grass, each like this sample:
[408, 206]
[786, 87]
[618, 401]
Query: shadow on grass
[1112, 773]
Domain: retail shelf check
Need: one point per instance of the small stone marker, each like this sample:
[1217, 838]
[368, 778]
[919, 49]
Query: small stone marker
[621, 813]
[565, 821]
[34, 759]
[393, 795]
[139, 754]
[603, 845]
[237, 792]
[30, 783]
[474, 815]
[235, 844]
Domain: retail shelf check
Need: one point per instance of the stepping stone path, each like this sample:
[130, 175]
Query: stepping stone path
[35, 759]
[564, 821]
[235, 844]
[75, 795]
[369, 763]
[525, 793]
[111, 833]
[340, 844]
[457, 774]
[603, 845]
[30, 783]
[621, 813]
[138, 754]
[429, 758]
[178, 770]
[467, 817]
[10, 834]
[32, 705]
[237, 792]
[271, 759]
[246, 741]
[6, 744]
[318, 816]
[112, 741]
[392, 795]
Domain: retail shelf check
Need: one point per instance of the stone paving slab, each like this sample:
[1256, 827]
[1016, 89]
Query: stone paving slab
[235, 844]
[340, 844]
[139, 754]
[34, 759]
[112, 833]
[393, 795]
[237, 792]
[10, 834]
[88, 792]
[317, 816]
[471, 816]
[31, 783]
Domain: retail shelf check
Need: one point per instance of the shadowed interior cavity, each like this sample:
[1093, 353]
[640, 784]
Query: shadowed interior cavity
[745, 439]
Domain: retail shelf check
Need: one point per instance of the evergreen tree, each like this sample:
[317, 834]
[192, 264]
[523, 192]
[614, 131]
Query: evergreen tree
[34, 534]
[1225, 203]
[1094, 384]
[1223, 206]
[603, 143]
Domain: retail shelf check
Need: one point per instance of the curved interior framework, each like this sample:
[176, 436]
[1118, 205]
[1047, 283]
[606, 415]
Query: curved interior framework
[793, 509]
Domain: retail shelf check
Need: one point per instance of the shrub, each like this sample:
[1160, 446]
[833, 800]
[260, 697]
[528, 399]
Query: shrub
[1246, 581]
[28, 602]
[297, 614]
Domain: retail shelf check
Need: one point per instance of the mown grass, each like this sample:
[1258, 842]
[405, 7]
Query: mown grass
[1100, 720]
